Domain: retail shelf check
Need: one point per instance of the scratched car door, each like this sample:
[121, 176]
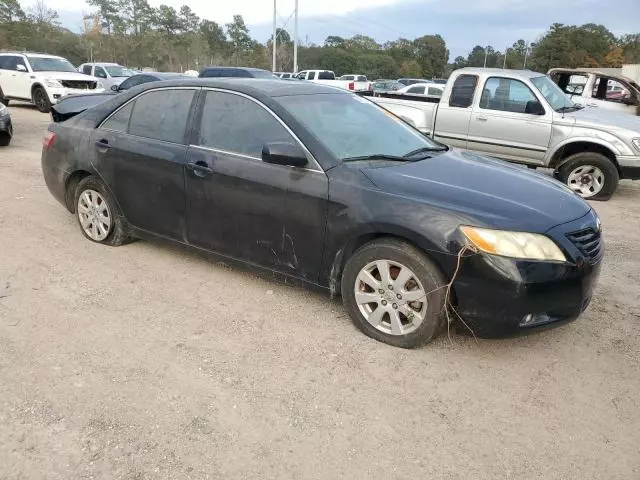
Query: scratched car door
[238, 205]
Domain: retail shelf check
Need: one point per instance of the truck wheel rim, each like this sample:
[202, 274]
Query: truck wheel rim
[390, 297]
[40, 99]
[94, 215]
[586, 180]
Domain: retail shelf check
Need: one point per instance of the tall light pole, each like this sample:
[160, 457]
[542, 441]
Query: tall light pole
[274, 40]
[526, 51]
[486, 52]
[295, 40]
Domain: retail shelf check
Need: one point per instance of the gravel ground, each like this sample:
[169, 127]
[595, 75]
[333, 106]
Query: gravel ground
[149, 362]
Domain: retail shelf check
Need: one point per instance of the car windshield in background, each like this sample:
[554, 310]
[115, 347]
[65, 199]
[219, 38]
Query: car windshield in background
[49, 64]
[118, 71]
[552, 93]
[351, 126]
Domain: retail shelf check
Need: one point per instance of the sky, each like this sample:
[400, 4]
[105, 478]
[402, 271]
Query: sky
[462, 23]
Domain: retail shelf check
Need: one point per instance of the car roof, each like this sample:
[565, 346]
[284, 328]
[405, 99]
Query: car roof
[32, 54]
[502, 72]
[102, 64]
[163, 75]
[255, 87]
[248, 69]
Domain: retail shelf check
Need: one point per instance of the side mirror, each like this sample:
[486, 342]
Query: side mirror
[21, 68]
[534, 108]
[284, 153]
[629, 100]
[115, 88]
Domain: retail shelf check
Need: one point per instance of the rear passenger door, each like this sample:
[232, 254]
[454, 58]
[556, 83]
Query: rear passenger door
[140, 151]
[503, 126]
[454, 112]
[238, 205]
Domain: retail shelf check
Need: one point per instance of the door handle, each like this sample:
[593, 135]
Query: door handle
[482, 119]
[200, 169]
[103, 145]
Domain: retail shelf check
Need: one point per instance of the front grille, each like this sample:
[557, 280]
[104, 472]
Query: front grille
[79, 84]
[589, 242]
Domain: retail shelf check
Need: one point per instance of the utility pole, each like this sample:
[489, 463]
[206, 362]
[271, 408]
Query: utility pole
[295, 40]
[526, 51]
[486, 52]
[504, 62]
[274, 41]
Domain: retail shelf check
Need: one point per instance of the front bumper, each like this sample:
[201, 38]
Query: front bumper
[57, 94]
[499, 296]
[629, 166]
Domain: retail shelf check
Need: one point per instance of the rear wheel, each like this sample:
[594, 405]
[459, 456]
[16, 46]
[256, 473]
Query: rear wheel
[41, 100]
[394, 293]
[591, 175]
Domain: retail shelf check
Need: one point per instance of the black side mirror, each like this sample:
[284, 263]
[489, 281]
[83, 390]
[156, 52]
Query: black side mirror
[534, 108]
[115, 88]
[284, 153]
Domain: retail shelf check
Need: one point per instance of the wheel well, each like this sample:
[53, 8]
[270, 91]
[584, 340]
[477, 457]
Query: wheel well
[70, 188]
[579, 147]
[34, 86]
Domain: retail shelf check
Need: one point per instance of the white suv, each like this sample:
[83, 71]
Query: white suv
[41, 79]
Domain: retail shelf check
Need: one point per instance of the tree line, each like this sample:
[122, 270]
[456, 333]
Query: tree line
[133, 33]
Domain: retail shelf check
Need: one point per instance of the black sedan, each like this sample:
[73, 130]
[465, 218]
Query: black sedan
[6, 127]
[141, 78]
[328, 188]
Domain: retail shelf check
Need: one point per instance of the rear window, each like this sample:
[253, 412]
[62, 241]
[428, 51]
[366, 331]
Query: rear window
[462, 91]
[161, 115]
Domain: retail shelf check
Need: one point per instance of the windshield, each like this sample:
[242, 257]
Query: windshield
[50, 64]
[118, 71]
[351, 126]
[552, 93]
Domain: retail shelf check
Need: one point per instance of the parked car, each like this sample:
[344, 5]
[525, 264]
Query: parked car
[327, 77]
[429, 89]
[598, 90]
[6, 127]
[109, 73]
[41, 79]
[410, 81]
[354, 78]
[141, 78]
[324, 187]
[523, 117]
[239, 72]
[383, 85]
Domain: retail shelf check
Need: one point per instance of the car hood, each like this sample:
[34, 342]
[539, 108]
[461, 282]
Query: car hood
[68, 76]
[600, 119]
[484, 190]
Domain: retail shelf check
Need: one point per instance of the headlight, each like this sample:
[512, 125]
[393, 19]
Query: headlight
[531, 246]
[636, 143]
[52, 82]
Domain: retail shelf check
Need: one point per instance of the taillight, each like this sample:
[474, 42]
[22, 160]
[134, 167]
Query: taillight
[48, 139]
[352, 86]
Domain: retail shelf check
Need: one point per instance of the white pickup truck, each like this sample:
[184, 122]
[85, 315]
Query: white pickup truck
[594, 89]
[523, 117]
[327, 77]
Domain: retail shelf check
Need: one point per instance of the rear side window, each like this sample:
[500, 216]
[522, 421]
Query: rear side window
[435, 91]
[312, 76]
[416, 90]
[462, 91]
[86, 69]
[236, 124]
[161, 115]
[119, 121]
[326, 76]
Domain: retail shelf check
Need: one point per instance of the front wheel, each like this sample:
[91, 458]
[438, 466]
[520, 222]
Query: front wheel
[394, 293]
[41, 100]
[591, 175]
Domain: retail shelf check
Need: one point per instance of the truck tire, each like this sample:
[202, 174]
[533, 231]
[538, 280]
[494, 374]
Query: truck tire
[393, 293]
[591, 175]
[41, 100]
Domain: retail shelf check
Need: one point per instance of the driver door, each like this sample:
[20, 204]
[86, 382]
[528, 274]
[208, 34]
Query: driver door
[15, 82]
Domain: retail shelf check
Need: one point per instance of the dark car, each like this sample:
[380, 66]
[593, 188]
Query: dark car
[6, 127]
[142, 78]
[323, 186]
[236, 72]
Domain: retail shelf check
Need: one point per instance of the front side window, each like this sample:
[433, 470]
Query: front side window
[613, 92]
[462, 91]
[236, 124]
[100, 73]
[117, 71]
[161, 115]
[507, 95]
[552, 93]
[50, 64]
[351, 126]
[435, 91]
[302, 75]
[10, 62]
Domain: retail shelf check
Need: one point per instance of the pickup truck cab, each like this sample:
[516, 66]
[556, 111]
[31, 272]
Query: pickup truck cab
[327, 77]
[598, 90]
[523, 117]
[109, 73]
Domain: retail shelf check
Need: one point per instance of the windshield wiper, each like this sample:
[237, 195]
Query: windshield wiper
[376, 156]
[424, 150]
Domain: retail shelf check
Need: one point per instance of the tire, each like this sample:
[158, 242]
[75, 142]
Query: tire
[93, 194]
[429, 318]
[588, 167]
[41, 100]
[3, 100]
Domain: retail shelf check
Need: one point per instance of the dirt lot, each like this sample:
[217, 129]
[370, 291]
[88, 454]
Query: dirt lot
[148, 362]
